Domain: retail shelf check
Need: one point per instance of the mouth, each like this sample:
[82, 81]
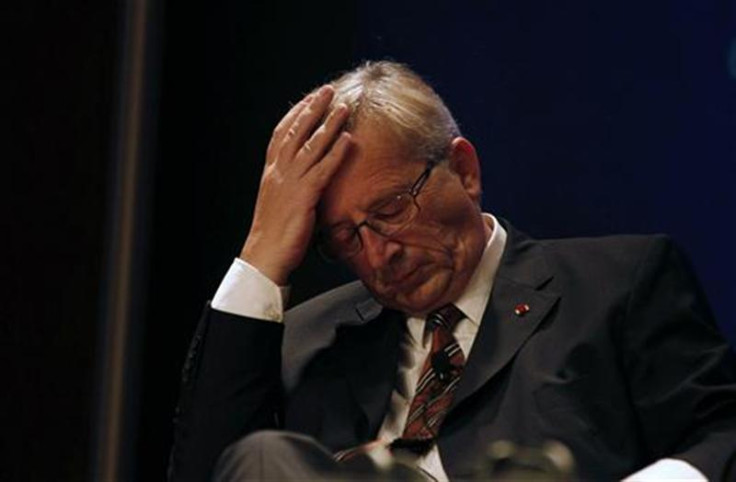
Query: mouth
[409, 277]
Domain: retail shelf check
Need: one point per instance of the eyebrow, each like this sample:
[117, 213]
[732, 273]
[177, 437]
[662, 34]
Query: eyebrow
[391, 193]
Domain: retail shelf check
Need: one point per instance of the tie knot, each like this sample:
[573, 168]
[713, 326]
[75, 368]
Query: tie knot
[446, 317]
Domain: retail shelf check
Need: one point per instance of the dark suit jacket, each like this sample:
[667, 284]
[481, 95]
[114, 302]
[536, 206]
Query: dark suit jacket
[618, 358]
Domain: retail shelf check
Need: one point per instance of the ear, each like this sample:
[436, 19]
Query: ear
[464, 162]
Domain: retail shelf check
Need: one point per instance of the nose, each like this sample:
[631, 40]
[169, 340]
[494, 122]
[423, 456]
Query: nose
[379, 250]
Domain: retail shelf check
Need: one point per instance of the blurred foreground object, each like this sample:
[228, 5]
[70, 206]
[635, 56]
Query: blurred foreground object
[506, 461]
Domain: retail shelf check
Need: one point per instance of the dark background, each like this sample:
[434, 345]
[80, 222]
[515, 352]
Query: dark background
[589, 117]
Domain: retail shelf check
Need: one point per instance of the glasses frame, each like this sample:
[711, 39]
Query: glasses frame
[416, 187]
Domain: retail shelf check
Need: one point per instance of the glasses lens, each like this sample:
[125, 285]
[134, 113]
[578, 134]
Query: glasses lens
[393, 215]
[388, 218]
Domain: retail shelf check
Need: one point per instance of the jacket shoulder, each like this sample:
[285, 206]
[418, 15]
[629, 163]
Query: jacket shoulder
[613, 253]
[620, 243]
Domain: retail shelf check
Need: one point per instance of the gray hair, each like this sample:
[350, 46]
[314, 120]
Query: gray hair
[391, 95]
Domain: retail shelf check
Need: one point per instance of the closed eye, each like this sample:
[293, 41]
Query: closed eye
[393, 209]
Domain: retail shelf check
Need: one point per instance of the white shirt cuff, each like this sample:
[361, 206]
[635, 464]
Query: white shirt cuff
[670, 470]
[245, 291]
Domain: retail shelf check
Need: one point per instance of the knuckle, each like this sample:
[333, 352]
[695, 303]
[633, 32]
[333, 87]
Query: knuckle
[321, 130]
[272, 175]
[332, 118]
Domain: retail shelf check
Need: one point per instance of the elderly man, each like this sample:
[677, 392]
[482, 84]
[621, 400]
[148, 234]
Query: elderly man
[461, 330]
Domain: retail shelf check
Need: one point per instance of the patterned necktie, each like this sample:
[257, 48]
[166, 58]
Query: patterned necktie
[435, 388]
[437, 383]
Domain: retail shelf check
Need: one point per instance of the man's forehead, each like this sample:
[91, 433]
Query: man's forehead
[369, 183]
[378, 165]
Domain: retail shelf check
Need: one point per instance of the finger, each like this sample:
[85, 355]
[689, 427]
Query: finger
[283, 126]
[305, 123]
[315, 147]
[322, 172]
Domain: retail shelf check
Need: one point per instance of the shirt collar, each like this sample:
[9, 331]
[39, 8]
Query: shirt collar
[474, 299]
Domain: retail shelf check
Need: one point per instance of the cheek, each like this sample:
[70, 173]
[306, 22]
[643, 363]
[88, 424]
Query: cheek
[449, 235]
[431, 245]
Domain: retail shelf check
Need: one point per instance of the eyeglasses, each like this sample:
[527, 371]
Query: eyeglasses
[388, 218]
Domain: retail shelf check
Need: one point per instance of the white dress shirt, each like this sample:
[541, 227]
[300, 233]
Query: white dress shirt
[246, 292]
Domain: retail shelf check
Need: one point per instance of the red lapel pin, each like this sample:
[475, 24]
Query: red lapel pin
[521, 309]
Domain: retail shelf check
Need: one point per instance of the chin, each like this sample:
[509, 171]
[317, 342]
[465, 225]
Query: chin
[428, 296]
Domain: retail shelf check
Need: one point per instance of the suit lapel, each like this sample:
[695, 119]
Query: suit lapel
[522, 278]
[370, 354]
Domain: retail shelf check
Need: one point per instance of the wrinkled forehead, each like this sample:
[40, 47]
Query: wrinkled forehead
[377, 165]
